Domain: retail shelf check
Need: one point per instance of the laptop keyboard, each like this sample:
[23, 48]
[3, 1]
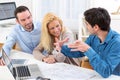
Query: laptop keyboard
[23, 71]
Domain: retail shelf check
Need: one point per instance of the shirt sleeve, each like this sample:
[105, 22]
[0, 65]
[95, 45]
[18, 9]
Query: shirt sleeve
[37, 53]
[67, 52]
[105, 67]
[9, 43]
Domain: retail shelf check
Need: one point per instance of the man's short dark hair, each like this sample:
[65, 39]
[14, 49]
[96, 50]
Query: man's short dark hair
[19, 10]
[99, 16]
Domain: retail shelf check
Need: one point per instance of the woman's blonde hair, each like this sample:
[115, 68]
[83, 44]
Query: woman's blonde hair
[46, 39]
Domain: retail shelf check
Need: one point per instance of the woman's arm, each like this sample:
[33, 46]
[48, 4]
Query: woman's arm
[37, 53]
[60, 57]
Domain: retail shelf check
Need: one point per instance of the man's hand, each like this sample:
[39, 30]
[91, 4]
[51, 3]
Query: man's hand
[2, 62]
[79, 46]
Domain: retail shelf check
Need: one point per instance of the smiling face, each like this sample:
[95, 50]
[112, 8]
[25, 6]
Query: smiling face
[55, 28]
[25, 19]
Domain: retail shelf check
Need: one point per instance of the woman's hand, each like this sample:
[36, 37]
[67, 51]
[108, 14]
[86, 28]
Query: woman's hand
[49, 59]
[59, 44]
[2, 62]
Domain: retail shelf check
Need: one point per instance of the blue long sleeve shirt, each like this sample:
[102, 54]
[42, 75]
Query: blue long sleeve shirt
[27, 41]
[104, 57]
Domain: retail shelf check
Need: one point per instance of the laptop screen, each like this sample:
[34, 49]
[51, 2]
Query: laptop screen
[7, 61]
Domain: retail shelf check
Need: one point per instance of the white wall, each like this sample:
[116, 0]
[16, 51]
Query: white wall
[35, 8]
[70, 23]
[110, 5]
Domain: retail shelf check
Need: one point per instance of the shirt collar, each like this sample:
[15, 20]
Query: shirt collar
[109, 36]
[22, 28]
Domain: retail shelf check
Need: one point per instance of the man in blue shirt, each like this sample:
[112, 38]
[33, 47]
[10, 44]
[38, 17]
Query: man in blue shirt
[102, 47]
[26, 33]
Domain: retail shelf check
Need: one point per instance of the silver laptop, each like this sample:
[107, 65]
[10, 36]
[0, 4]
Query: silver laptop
[18, 61]
[22, 71]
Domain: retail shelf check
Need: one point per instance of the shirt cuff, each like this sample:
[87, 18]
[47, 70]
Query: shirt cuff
[90, 53]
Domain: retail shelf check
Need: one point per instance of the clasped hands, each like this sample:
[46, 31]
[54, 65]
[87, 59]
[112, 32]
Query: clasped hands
[49, 59]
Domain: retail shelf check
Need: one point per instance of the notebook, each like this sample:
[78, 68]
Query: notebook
[22, 71]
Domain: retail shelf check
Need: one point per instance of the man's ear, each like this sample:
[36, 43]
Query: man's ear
[17, 20]
[96, 27]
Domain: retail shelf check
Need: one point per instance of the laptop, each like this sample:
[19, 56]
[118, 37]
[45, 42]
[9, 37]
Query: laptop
[22, 71]
[18, 61]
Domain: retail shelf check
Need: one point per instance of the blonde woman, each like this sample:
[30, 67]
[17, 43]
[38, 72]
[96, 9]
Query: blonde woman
[52, 27]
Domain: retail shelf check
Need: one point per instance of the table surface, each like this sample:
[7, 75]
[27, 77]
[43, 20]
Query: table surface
[4, 31]
[56, 71]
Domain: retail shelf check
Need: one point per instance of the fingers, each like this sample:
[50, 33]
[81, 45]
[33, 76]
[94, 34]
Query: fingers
[61, 42]
[75, 44]
[58, 47]
[49, 60]
[2, 62]
[56, 39]
[74, 49]
[65, 40]
[78, 46]
[77, 50]
[77, 41]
